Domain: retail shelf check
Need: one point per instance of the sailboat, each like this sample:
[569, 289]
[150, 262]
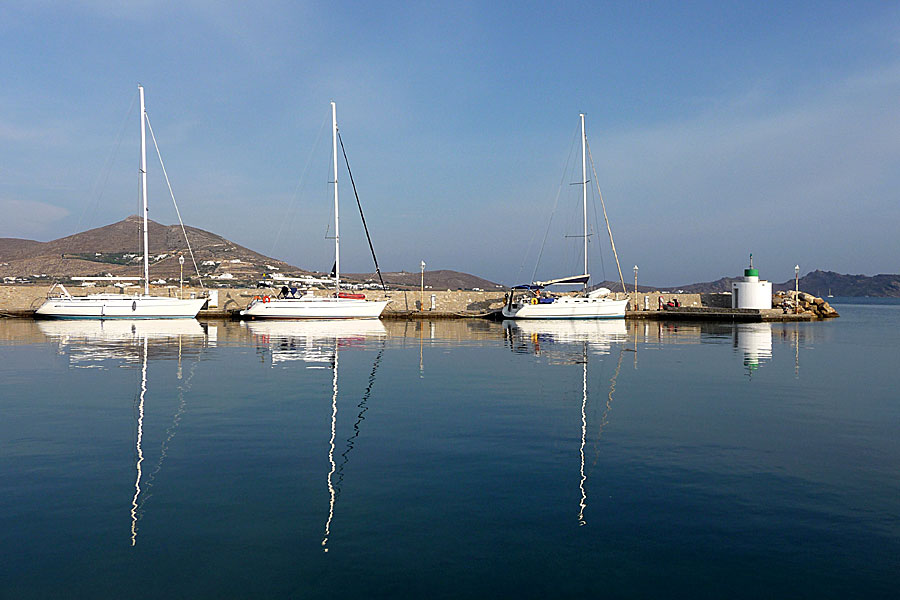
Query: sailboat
[122, 306]
[527, 302]
[339, 306]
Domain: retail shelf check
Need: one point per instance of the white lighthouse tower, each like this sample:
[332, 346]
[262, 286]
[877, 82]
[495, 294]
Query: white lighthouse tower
[750, 292]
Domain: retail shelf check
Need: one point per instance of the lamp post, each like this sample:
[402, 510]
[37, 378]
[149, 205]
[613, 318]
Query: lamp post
[635, 286]
[796, 289]
[181, 275]
[422, 299]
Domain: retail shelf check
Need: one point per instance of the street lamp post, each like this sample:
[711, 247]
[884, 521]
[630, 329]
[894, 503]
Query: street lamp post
[635, 287]
[181, 275]
[422, 299]
[796, 289]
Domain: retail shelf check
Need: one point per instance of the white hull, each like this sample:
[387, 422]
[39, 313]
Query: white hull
[118, 306]
[314, 308]
[568, 307]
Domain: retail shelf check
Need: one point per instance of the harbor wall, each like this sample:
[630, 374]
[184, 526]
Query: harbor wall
[22, 300]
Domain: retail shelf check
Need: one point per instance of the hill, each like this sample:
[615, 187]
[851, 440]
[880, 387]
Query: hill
[116, 249]
[817, 282]
[821, 282]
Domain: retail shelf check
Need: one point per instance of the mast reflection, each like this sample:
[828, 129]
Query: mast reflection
[331, 494]
[93, 343]
[569, 342]
[139, 450]
[319, 343]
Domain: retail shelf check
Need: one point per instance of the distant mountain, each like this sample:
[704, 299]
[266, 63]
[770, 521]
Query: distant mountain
[436, 280]
[818, 283]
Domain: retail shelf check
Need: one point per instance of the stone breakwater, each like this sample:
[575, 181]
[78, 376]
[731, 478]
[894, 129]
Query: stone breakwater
[23, 300]
[808, 304]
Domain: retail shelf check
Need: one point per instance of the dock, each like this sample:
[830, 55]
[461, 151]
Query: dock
[20, 301]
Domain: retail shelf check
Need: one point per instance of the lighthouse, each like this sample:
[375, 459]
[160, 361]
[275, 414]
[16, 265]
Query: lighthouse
[750, 292]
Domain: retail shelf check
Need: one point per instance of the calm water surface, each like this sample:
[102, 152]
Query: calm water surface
[451, 459]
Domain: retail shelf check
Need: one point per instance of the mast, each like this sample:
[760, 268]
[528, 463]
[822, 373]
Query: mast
[144, 193]
[337, 231]
[584, 195]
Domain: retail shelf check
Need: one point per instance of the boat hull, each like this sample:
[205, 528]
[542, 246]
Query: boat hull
[115, 306]
[314, 308]
[568, 308]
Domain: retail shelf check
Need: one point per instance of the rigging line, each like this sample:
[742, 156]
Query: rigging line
[107, 168]
[329, 182]
[170, 433]
[363, 406]
[555, 204]
[606, 218]
[292, 213]
[597, 228]
[604, 420]
[361, 215]
[172, 194]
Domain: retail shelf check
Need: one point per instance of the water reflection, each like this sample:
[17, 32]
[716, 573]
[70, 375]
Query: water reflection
[138, 449]
[557, 339]
[310, 341]
[93, 343]
[320, 343]
[88, 343]
[571, 342]
[754, 340]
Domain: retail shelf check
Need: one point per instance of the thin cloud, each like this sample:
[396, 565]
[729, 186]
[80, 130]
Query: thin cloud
[33, 218]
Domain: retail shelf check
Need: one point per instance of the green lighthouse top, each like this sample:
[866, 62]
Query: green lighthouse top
[750, 271]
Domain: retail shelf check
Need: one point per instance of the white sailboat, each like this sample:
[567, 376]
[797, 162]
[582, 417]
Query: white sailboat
[338, 306]
[527, 302]
[121, 306]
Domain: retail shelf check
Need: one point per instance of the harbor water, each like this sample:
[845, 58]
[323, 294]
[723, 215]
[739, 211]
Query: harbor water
[451, 459]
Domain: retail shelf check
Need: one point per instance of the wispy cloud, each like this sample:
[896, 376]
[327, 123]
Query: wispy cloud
[32, 218]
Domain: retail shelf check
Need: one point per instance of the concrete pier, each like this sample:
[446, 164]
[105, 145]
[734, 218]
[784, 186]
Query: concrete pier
[23, 300]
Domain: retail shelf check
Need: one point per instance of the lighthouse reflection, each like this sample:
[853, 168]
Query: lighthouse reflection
[754, 341]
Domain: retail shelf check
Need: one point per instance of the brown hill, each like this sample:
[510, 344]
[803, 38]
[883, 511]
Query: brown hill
[117, 249]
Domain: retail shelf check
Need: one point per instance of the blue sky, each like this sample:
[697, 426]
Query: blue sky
[717, 129]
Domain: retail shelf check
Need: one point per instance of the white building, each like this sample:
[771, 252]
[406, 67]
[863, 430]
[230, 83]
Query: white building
[750, 292]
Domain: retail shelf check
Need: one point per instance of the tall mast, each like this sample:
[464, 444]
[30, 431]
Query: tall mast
[584, 195]
[337, 231]
[144, 193]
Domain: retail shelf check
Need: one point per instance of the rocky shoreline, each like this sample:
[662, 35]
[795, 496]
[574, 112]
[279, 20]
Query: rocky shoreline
[789, 300]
